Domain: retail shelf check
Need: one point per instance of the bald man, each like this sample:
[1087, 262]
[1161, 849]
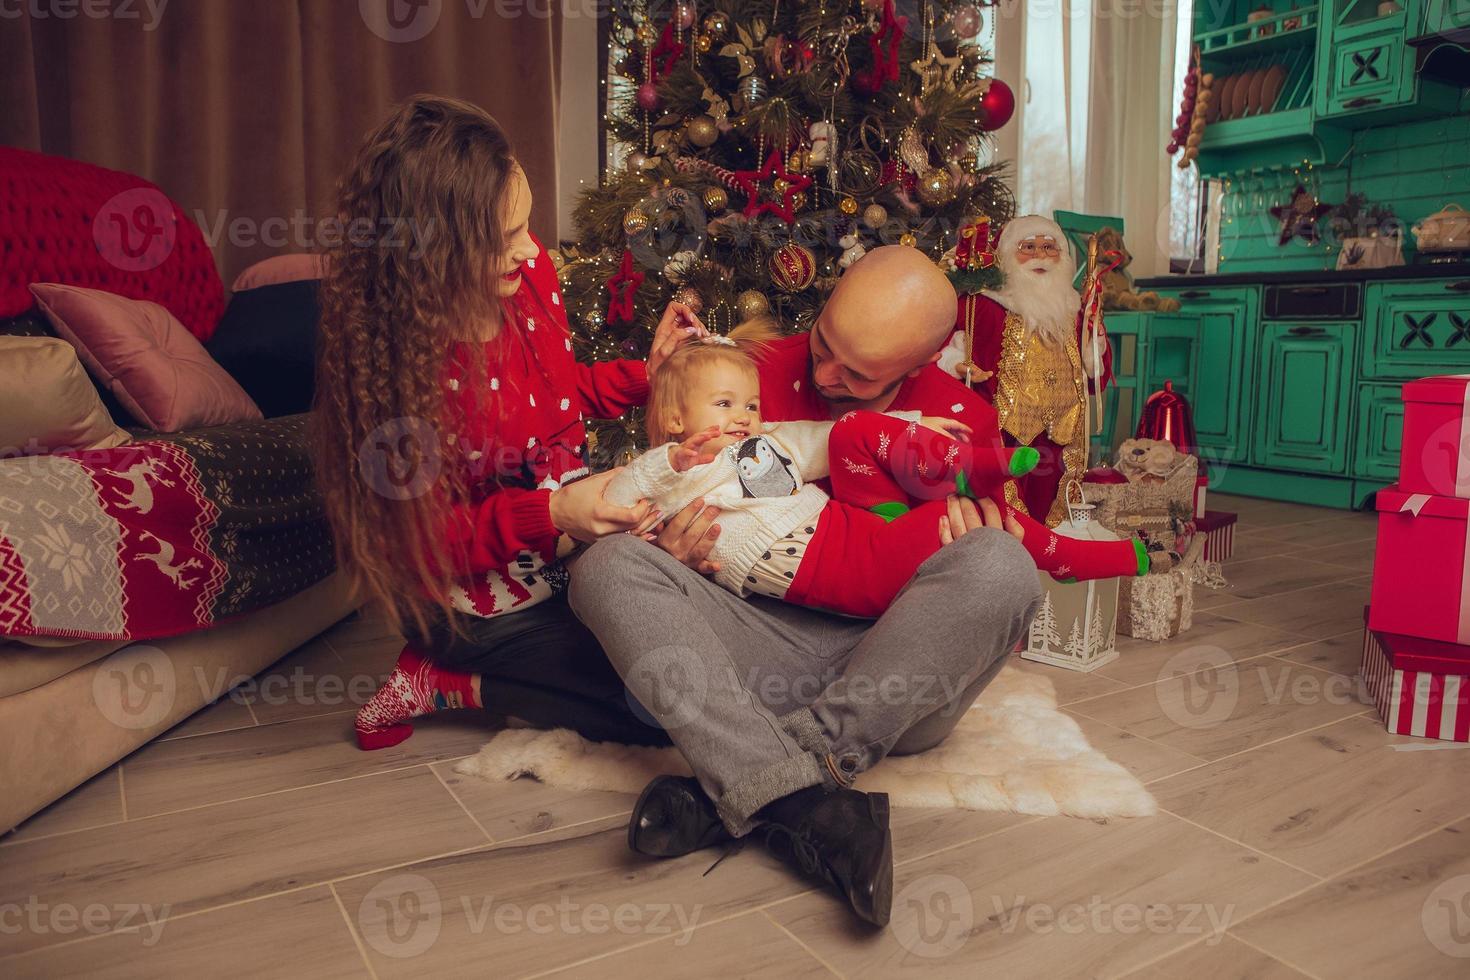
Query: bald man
[776, 707]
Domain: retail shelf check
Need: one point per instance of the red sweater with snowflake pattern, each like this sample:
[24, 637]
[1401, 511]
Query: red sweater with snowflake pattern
[521, 436]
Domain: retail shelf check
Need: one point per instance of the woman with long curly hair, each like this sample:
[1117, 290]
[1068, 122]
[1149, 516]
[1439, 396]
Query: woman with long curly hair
[449, 415]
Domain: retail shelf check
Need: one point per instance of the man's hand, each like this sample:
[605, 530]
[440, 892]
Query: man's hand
[954, 428]
[690, 536]
[679, 324]
[691, 452]
[963, 517]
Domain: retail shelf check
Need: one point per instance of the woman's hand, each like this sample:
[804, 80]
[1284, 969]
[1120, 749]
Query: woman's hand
[691, 452]
[679, 324]
[963, 517]
[579, 510]
[955, 429]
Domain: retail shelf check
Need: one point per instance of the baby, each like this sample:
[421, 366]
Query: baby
[781, 535]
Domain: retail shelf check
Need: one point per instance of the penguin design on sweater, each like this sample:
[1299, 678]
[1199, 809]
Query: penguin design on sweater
[763, 471]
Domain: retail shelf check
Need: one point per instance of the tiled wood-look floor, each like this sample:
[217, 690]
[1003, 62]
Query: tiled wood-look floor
[1295, 836]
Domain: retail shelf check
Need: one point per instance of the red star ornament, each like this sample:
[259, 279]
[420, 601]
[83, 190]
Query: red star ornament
[621, 288]
[748, 181]
[666, 53]
[883, 46]
[1299, 217]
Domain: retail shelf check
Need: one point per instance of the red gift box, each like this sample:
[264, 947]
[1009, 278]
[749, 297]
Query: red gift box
[1420, 581]
[1435, 455]
[1420, 686]
[1218, 527]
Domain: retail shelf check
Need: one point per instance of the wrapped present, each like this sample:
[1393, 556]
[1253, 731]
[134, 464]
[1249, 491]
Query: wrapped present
[1421, 583]
[1218, 527]
[1420, 687]
[1435, 455]
[1156, 607]
[1157, 506]
[1076, 626]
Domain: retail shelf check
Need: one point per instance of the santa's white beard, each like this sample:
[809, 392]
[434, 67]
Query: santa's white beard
[1045, 300]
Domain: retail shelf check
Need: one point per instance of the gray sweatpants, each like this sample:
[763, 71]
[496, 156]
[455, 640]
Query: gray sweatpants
[765, 698]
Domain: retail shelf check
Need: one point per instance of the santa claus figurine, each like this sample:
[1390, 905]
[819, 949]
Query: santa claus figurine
[1025, 347]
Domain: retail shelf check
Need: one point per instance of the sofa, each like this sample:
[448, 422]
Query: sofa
[82, 684]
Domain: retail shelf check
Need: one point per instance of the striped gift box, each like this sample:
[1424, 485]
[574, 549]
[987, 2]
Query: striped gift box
[1413, 697]
[1218, 527]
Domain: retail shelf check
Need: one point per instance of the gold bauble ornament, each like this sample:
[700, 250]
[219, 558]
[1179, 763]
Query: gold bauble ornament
[702, 43]
[907, 238]
[717, 23]
[936, 188]
[799, 162]
[703, 131]
[634, 222]
[781, 185]
[874, 215]
[798, 201]
[645, 33]
[690, 297]
[715, 199]
[847, 205]
[751, 304]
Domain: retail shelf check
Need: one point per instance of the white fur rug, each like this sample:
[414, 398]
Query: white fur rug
[1013, 751]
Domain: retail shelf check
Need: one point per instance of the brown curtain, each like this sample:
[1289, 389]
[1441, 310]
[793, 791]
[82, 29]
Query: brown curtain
[246, 111]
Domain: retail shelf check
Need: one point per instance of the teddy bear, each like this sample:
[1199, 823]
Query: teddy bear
[1117, 284]
[1148, 460]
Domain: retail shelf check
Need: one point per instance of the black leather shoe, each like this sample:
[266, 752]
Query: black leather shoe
[674, 817]
[841, 838]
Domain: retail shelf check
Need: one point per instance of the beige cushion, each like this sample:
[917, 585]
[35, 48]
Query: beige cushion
[47, 402]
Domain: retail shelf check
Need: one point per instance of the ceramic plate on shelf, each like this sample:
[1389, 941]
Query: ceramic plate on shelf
[1253, 94]
[1239, 96]
[1271, 90]
[1223, 97]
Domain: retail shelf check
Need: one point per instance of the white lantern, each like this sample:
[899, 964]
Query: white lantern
[1077, 624]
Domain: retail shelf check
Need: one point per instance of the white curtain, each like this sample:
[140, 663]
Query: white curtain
[1096, 108]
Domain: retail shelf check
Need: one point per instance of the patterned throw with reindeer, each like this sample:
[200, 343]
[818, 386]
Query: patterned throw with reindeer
[166, 535]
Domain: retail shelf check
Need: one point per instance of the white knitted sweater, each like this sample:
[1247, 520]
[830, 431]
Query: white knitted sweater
[763, 491]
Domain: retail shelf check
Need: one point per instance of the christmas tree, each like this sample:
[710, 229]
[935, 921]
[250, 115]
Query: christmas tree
[767, 146]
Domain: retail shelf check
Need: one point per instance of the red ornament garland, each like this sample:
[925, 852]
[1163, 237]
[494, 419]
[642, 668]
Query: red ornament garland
[748, 183]
[621, 288]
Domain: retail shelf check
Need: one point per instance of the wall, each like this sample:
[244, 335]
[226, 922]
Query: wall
[1416, 167]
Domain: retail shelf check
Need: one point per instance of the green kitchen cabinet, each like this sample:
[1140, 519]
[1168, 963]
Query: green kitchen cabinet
[1379, 432]
[1417, 328]
[1365, 65]
[1222, 384]
[1444, 16]
[1306, 397]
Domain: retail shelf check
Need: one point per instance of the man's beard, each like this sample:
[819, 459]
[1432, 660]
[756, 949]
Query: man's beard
[1046, 301]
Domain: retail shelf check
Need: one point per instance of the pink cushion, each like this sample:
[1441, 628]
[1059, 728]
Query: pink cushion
[280, 268]
[154, 367]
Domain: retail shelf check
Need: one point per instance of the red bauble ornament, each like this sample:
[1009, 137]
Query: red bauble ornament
[648, 97]
[998, 103]
[792, 267]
